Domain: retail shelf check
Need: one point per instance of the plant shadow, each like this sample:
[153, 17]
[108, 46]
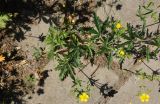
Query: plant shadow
[29, 12]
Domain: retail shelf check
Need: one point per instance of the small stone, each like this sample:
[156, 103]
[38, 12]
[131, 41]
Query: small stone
[17, 48]
[23, 62]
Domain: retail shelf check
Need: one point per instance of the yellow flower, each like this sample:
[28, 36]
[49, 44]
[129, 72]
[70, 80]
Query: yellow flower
[84, 97]
[121, 53]
[2, 58]
[144, 97]
[118, 26]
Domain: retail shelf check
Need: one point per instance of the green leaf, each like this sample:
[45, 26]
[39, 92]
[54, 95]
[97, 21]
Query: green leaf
[4, 18]
[91, 30]
[154, 16]
[105, 24]
[147, 53]
[37, 53]
[110, 59]
[66, 69]
[157, 41]
[97, 23]
[123, 44]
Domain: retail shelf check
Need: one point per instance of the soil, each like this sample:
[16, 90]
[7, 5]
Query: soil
[29, 29]
[16, 70]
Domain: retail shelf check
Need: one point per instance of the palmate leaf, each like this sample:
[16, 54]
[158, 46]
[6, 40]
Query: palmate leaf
[131, 32]
[91, 30]
[37, 53]
[89, 51]
[74, 57]
[97, 23]
[50, 39]
[105, 24]
[130, 46]
[105, 48]
[55, 40]
[124, 36]
[69, 63]
[65, 68]
[51, 54]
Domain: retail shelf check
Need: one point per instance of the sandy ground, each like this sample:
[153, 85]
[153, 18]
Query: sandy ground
[57, 92]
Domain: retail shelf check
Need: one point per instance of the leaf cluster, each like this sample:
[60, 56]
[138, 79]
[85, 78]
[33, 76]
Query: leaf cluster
[4, 18]
[69, 44]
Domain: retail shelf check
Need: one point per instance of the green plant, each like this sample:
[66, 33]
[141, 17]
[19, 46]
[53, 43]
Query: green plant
[30, 80]
[4, 18]
[37, 53]
[70, 44]
[148, 10]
